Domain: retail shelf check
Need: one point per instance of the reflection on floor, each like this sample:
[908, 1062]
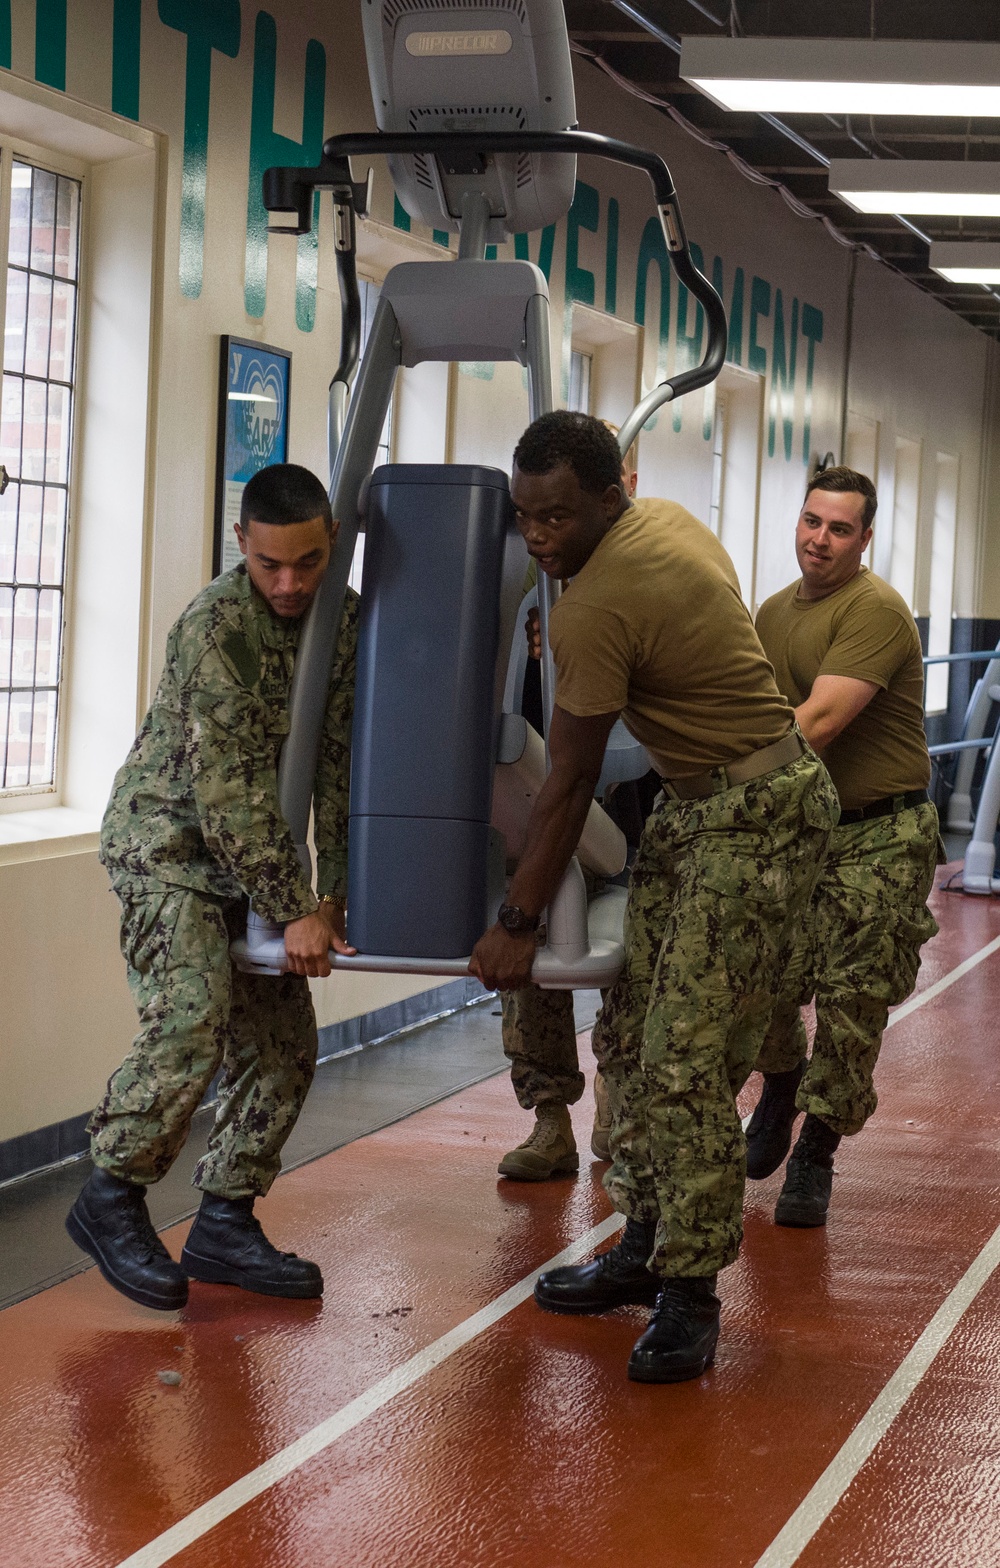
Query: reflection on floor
[352, 1095]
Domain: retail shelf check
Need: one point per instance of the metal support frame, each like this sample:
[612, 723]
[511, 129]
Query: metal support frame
[959, 815]
[580, 951]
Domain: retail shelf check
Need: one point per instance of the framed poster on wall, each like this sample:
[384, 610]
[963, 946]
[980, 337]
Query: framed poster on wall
[254, 386]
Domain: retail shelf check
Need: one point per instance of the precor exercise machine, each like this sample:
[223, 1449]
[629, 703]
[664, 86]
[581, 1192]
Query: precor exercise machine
[475, 107]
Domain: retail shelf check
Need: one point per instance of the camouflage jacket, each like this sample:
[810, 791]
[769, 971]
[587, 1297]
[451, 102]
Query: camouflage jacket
[195, 804]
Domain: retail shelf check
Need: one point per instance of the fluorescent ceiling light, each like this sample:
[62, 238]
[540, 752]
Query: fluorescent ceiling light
[966, 261]
[845, 75]
[945, 187]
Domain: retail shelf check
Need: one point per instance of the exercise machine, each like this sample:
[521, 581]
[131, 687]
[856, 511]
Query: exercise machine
[475, 107]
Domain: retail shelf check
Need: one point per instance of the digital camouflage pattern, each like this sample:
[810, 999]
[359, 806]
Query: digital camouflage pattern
[539, 1040]
[718, 890]
[858, 955]
[195, 803]
[197, 1014]
[194, 831]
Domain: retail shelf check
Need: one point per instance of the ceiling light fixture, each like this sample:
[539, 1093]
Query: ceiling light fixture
[966, 261]
[935, 187]
[845, 75]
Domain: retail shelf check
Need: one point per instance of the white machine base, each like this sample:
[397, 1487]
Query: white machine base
[977, 870]
[594, 968]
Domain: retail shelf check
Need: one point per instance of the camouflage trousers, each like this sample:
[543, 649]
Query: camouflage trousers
[539, 1039]
[858, 954]
[718, 890]
[198, 1014]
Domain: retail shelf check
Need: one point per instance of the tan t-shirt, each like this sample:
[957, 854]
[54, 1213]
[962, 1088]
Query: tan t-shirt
[866, 631]
[654, 628]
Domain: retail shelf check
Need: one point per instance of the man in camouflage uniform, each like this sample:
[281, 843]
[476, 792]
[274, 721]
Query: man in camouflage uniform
[194, 833]
[539, 1027]
[653, 627]
[846, 654]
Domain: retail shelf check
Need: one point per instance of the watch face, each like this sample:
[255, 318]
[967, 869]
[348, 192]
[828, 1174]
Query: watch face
[516, 921]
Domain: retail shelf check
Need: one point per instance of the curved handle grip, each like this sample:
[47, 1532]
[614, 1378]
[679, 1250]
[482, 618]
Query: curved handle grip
[291, 189]
[715, 317]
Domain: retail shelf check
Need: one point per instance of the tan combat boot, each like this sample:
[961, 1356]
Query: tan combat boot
[550, 1151]
[599, 1138]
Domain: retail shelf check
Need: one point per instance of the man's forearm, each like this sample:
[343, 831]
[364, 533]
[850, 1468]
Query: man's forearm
[818, 727]
[552, 835]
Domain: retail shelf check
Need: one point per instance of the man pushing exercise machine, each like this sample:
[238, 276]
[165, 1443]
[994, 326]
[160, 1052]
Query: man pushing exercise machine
[193, 831]
[653, 627]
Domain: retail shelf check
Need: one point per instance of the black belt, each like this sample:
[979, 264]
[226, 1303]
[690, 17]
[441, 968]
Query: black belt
[886, 807]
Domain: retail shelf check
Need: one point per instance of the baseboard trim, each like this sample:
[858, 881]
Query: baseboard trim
[60, 1142]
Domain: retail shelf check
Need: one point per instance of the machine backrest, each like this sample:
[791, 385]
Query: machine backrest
[425, 710]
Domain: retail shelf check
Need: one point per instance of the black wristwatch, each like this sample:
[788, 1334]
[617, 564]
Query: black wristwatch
[514, 920]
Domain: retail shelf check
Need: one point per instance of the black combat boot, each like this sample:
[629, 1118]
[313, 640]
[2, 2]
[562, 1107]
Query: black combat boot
[110, 1221]
[682, 1335]
[615, 1279]
[805, 1197]
[769, 1135]
[226, 1246]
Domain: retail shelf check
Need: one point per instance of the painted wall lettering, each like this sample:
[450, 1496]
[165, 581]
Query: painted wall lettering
[546, 246]
[611, 260]
[760, 305]
[208, 25]
[783, 360]
[126, 44]
[268, 149]
[50, 43]
[812, 331]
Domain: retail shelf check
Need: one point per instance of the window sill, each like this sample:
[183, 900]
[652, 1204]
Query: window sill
[45, 834]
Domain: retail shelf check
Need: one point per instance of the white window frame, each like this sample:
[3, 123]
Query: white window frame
[106, 658]
[13, 148]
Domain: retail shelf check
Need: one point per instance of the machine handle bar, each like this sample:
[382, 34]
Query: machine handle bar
[291, 190]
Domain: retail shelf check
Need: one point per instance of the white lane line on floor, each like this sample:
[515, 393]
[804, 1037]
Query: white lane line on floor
[942, 985]
[932, 991]
[251, 1485]
[818, 1504]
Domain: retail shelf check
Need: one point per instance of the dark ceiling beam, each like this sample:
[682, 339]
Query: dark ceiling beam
[606, 36]
[929, 138]
[671, 89]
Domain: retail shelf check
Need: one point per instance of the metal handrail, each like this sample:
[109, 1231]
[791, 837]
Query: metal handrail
[961, 745]
[957, 658]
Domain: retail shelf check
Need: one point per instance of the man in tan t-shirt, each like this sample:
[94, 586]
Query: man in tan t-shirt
[653, 628]
[846, 654]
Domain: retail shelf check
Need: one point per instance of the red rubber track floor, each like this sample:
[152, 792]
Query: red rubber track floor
[526, 1446]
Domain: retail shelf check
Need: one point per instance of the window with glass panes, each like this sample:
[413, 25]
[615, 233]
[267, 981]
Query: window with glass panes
[39, 353]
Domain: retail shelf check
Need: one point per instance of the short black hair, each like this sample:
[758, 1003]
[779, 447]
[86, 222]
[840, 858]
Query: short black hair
[284, 493]
[847, 481]
[583, 443]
